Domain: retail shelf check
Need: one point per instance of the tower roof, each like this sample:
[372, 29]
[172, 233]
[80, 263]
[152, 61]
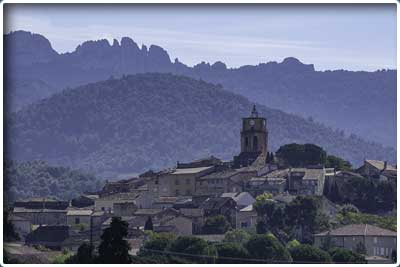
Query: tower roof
[254, 112]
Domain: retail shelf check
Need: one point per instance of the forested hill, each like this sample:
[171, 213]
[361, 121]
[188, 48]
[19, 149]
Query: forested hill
[153, 120]
[359, 102]
[23, 180]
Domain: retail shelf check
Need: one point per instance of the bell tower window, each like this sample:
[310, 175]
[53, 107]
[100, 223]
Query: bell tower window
[255, 143]
[246, 141]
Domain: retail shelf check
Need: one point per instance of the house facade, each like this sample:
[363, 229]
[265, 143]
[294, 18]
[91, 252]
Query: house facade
[376, 241]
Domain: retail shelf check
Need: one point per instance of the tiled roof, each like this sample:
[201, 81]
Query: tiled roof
[219, 175]
[79, 212]
[380, 165]
[147, 211]
[23, 210]
[191, 170]
[359, 230]
[309, 174]
[121, 196]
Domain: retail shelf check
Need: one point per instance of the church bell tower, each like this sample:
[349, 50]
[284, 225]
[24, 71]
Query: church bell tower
[254, 134]
[253, 139]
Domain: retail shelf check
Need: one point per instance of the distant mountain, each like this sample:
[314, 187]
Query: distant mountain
[153, 120]
[361, 102]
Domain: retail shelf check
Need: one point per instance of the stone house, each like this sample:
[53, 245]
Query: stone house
[106, 203]
[377, 168]
[377, 241]
[42, 216]
[22, 226]
[246, 218]
[42, 203]
[259, 185]
[220, 206]
[242, 199]
[127, 208]
[306, 181]
[179, 225]
[79, 217]
[181, 182]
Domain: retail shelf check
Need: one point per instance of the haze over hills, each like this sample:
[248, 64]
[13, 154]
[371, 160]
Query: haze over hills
[363, 103]
[153, 120]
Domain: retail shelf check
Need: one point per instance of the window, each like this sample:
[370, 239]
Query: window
[375, 240]
[187, 181]
[246, 141]
[102, 208]
[77, 221]
[176, 182]
[243, 225]
[255, 143]
[382, 252]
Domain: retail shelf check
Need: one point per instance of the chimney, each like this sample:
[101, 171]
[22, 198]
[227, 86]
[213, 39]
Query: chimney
[385, 165]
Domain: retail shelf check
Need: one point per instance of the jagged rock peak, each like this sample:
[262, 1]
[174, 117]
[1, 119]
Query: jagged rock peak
[115, 43]
[98, 44]
[127, 42]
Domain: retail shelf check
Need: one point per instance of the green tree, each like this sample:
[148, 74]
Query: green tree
[231, 253]
[342, 255]
[338, 163]
[239, 236]
[303, 214]
[113, 247]
[268, 248]
[191, 247]
[149, 224]
[299, 155]
[308, 254]
[291, 244]
[216, 225]
[157, 242]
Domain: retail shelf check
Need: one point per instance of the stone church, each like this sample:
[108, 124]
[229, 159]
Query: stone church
[253, 140]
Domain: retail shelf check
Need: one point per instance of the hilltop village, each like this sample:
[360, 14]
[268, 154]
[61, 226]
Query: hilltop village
[210, 199]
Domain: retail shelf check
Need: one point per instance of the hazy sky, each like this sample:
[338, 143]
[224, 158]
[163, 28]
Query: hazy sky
[354, 37]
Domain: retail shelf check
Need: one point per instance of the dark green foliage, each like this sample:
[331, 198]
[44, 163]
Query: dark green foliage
[367, 195]
[83, 256]
[216, 225]
[239, 236]
[8, 229]
[304, 214]
[231, 253]
[361, 249]
[394, 256]
[334, 194]
[152, 120]
[309, 254]
[185, 246]
[337, 163]
[38, 179]
[113, 247]
[342, 255]
[268, 248]
[158, 242]
[297, 155]
[149, 224]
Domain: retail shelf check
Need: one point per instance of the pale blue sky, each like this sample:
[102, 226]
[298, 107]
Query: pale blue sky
[353, 37]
